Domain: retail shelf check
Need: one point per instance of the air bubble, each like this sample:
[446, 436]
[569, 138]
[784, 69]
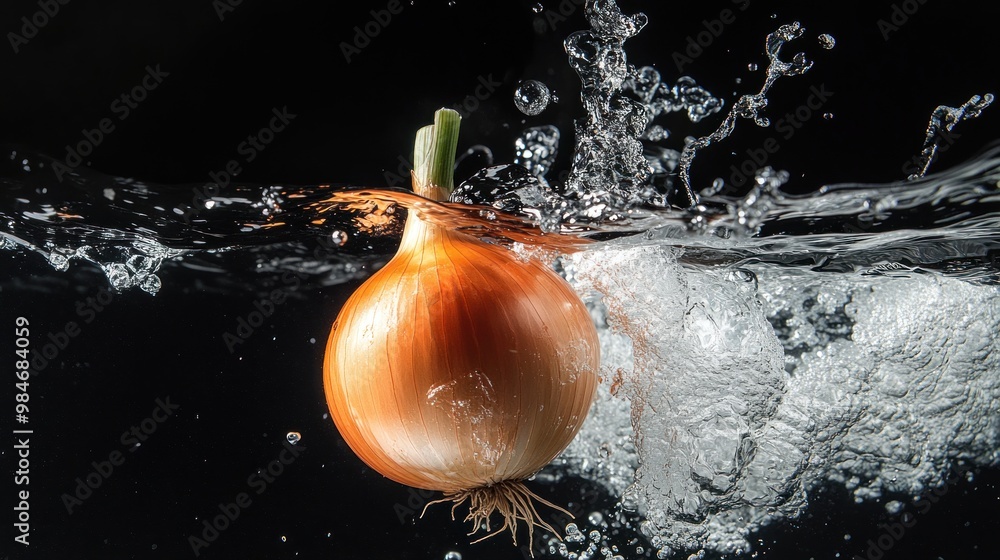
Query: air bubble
[893, 507]
[573, 534]
[532, 97]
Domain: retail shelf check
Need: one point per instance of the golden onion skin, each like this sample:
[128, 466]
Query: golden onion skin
[458, 365]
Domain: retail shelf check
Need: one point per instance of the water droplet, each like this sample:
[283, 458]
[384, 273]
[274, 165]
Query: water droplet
[827, 116]
[284, 538]
[752, 67]
[339, 238]
[59, 262]
[656, 133]
[595, 518]
[118, 275]
[452, 556]
[537, 8]
[827, 41]
[532, 97]
[536, 149]
[151, 284]
[293, 437]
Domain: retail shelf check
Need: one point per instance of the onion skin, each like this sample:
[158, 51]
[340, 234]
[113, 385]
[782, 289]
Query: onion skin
[458, 365]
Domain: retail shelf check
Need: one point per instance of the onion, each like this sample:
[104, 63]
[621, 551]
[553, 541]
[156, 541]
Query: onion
[458, 366]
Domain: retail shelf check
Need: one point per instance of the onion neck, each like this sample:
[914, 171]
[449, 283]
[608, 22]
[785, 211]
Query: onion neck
[433, 172]
[434, 156]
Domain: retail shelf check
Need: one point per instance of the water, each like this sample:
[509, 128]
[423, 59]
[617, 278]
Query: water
[757, 346]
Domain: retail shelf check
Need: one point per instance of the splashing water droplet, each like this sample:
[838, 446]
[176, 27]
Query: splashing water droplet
[532, 97]
[827, 41]
[293, 437]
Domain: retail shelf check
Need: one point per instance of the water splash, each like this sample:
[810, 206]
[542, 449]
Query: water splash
[749, 106]
[942, 122]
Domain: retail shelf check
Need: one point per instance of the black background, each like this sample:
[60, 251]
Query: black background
[353, 122]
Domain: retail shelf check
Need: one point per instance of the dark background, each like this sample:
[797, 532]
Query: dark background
[354, 120]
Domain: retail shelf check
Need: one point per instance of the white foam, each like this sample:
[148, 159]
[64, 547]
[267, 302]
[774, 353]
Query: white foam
[892, 380]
